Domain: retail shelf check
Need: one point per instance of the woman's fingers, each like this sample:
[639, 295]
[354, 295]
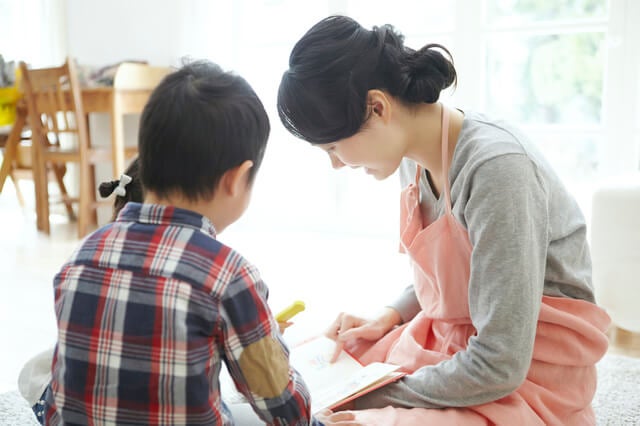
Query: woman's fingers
[344, 323]
[337, 351]
[339, 325]
[344, 328]
[373, 329]
[342, 418]
[334, 333]
[361, 332]
[324, 413]
[333, 330]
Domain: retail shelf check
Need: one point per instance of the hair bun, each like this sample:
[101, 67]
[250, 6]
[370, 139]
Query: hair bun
[430, 72]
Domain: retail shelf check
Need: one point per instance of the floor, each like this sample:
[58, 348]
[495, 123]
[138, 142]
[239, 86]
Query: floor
[623, 342]
[319, 269]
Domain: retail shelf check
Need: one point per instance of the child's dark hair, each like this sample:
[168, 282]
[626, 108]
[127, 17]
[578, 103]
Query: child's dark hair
[133, 190]
[199, 122]
[323, 95]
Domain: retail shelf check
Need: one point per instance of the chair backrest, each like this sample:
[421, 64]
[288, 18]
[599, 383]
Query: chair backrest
[132, 75]
[54, 102]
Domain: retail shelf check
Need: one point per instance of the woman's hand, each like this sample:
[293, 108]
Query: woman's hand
[348, 327]
[341, 418]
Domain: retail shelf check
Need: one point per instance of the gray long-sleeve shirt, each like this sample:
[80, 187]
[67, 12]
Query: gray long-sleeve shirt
[529, 238]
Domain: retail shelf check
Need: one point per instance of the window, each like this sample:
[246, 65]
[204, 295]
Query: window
[566, 72]
[545, 69]
[32, 31]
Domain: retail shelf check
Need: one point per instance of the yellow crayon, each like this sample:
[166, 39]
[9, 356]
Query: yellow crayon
[290, 311]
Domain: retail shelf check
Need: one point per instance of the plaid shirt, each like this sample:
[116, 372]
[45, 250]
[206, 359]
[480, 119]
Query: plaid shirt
[148, 307]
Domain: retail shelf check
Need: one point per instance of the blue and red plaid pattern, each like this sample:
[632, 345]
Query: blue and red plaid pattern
[148, 309]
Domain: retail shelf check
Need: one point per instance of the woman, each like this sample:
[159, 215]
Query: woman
[501, 326]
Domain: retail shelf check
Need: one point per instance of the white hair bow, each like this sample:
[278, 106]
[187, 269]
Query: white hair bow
[121, 189]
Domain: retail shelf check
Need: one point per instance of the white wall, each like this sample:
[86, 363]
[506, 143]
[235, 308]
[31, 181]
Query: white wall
[162, 32]
[100, 32]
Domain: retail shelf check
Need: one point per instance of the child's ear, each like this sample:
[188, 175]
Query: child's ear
[235, 180]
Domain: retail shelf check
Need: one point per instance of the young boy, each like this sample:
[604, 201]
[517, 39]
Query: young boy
[35, 377]
[150, 305]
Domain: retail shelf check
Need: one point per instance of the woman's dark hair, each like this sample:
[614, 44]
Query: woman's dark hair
[199, 123]
[323, 95]
[134, 190]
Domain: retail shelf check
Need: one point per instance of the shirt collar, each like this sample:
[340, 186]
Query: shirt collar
[156, 214]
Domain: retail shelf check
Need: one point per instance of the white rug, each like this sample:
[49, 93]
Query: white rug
[617, 400]
[15, 411]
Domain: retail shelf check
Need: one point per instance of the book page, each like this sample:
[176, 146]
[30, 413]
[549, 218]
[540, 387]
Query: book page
[330, 383]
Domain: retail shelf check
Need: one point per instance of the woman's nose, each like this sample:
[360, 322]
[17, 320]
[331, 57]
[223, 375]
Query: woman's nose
[335, 162]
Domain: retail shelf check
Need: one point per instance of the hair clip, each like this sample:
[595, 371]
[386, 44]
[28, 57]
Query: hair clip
[121, 190]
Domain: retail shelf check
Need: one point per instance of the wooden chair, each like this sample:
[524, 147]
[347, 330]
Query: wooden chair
[16, 158]
[17, 161]
[14, 140]
[60, 136]
[138, 76]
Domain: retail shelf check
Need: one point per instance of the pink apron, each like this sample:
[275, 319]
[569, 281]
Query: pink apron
[570, 336]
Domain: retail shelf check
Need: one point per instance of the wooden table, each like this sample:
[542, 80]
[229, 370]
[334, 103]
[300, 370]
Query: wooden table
[116, 102]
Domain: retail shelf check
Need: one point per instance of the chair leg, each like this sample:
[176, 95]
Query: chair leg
[11, 148]
[16, 184]
[93, 188]
[41, 186]
[84, 204]
[59, 171]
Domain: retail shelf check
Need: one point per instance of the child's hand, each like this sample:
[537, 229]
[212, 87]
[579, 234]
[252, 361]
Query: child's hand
[284, 325]
[289, 312]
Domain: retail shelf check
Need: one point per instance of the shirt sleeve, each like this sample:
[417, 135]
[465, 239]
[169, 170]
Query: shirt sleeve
[257, 357]
[407, 304]
[507, 219]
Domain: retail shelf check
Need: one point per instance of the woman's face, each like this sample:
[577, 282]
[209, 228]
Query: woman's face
[377, 147]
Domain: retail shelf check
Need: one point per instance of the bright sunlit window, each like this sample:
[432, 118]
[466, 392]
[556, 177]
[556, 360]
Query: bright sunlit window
[546, 66]
[32, 31]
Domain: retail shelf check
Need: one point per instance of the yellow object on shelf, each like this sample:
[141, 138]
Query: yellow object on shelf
[9, 96]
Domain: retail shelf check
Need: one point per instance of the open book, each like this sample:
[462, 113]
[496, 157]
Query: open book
[330, 384]
[334, 384]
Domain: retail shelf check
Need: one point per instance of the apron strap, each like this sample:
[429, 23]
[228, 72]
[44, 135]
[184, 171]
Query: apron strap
[445, 158]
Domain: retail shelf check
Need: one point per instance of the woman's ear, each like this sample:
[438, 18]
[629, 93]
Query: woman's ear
[236, 180]
[379, 104]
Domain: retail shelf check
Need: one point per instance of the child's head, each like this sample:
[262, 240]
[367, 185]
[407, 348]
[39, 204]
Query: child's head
[324, 95]
[131, 191]
[199, 124]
